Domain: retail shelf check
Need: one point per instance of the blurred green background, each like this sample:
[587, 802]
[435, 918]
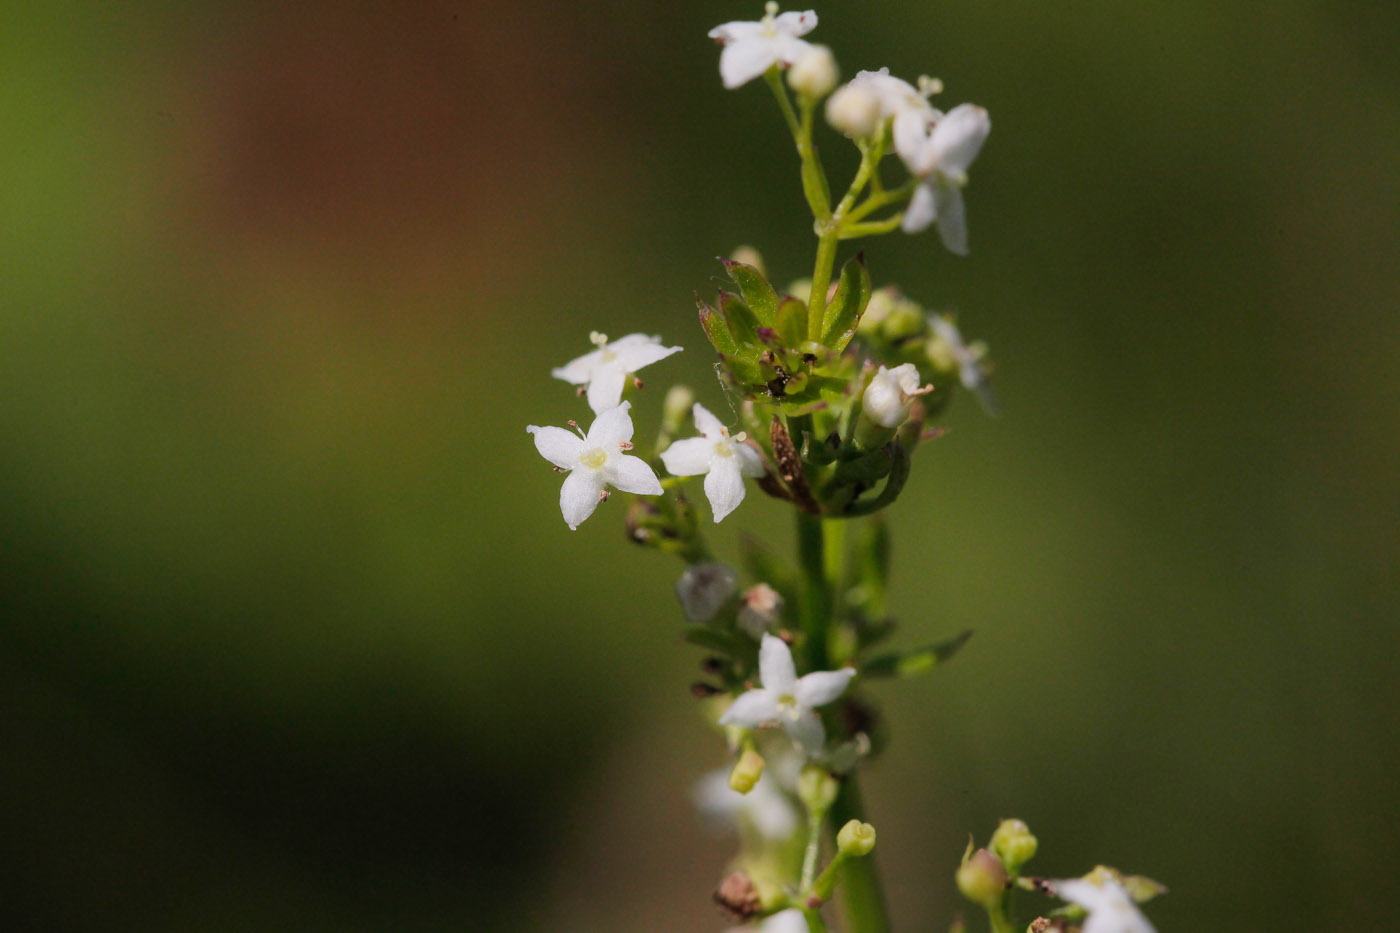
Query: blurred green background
[294, 636]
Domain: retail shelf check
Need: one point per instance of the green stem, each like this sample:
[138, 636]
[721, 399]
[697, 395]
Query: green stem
[815, 923]
[821, 280]
[882, 199]
[874, 228]
[996, 915]
[814, 184]
[816, 599]
[862, 898]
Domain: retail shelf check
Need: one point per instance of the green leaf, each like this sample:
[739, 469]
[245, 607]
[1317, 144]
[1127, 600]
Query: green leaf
[872, 559]
[906, 664]
[758, 294]
[899, 473]
[792, 322]
[716, 328]
[847, 305]
[742, 324]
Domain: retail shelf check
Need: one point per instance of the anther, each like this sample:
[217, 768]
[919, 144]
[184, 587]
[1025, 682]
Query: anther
[625, 445]
[604, 495]
[636, 383]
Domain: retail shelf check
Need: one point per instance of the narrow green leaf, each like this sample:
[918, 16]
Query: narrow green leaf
[742, 322]
[847, 305]
[758, 294]
[908, 663]
[716, 328]
[792, 322]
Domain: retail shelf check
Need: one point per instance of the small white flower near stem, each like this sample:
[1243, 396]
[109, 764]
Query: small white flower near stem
[595, 461]
[888, 397]
[940, 158]
[752, 48]
[724, 460]
[766, 808]
[871, 97]
[968, 359]
[1111, 908]
[785, 699]
[605, 370]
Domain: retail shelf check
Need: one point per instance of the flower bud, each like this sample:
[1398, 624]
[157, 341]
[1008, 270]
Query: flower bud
[816, 788]
[758, 609]
[982, 878]
[856, 839]
[905, 320]
[1014, 844]
[747, 770]
[676, 408]
[704, 588]
[814, 73]
[749, 257]
[887, 398]
[876, 310]
[855, 111]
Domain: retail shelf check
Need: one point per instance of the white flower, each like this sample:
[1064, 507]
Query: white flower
[941, 158]
[814, 72]
[605, 370]
[751, 48]
[968, 359]
[854, 110]
[785, 699]
[887, 399]
[724, 460]
[786, 921]
[898, 100]
[766, 808]
[595, 461]
[1111, 908]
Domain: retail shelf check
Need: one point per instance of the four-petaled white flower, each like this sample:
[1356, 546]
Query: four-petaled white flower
[604, 371]
[968, 359]
[906, 104]
[724, 460]
[1111, 908]
[595, 461]
[766, 808]
[940, 158]
[751, 48]
[786, 699]
[887, 399]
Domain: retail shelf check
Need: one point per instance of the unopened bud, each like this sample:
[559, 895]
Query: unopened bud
[876, 310]
[814, 73]
[982, 878]
[905, 320]
[1014, 844]
[816, 788]
[887, 398]
[738, 897]
[746, 772]
[749, 257]
[856, 839]
[676, 408]
[758, 609]
[854, 110]
[704, 588]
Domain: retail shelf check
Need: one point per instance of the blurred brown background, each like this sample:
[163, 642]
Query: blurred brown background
[294, 638]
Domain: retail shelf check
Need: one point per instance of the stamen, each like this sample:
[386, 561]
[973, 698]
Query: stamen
[770, 9]
[930, 86]
[603, 495]
[740, 437]
[574, 424]
[636, 383]
[628, 445]
[598, 340]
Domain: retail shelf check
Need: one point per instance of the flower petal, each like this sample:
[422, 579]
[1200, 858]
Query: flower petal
[775, 667]
[689, 457]
[806, 730]
[632, 474]
[637, 350]
[958, 137]
[577, 372]
[750, 460]
[579, 496]
[611, 428]
[786, 921]
[952, 218]
[706, 423]
[743, 60]
[821, 687]
[735, 31]
[605, 388]
[920, 212]
[750, 709]
[910, 135]
[724, 486]
[794, 23]
[561, 448]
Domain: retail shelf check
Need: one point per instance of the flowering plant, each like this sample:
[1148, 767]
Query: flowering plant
[831, 385]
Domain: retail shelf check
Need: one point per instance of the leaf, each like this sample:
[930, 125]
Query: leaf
[742, 324]
[899, 473]
[792, 322]
[716, 328]
[711, 639]
[847, 305]
[758, 294]
[908, 663]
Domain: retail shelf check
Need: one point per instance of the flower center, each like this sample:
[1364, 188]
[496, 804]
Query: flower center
[787, 704]
[724, 448]
[594, 459]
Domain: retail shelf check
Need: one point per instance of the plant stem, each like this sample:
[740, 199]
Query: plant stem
[821, 279]
[862, 900]
[816, 597]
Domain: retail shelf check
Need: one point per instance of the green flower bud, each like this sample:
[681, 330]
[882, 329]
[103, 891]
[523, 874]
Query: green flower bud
[856, 839]
[816, 788]
[676, 409]
[876, 310]
[749, 257]
[747, 770]
[904, 320]
[1014, 844]
[982, 878]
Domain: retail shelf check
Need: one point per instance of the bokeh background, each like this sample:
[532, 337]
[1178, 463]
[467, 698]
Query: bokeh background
[293, 636]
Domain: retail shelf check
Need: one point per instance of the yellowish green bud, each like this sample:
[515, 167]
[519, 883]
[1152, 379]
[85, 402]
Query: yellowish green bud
[816, 788]
[876, 310]
[749, 257]
[982, 878]
[1014, 844]
[856, 839]
[747, 770]
[676, 408]
[814, 73]
[904, 320]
